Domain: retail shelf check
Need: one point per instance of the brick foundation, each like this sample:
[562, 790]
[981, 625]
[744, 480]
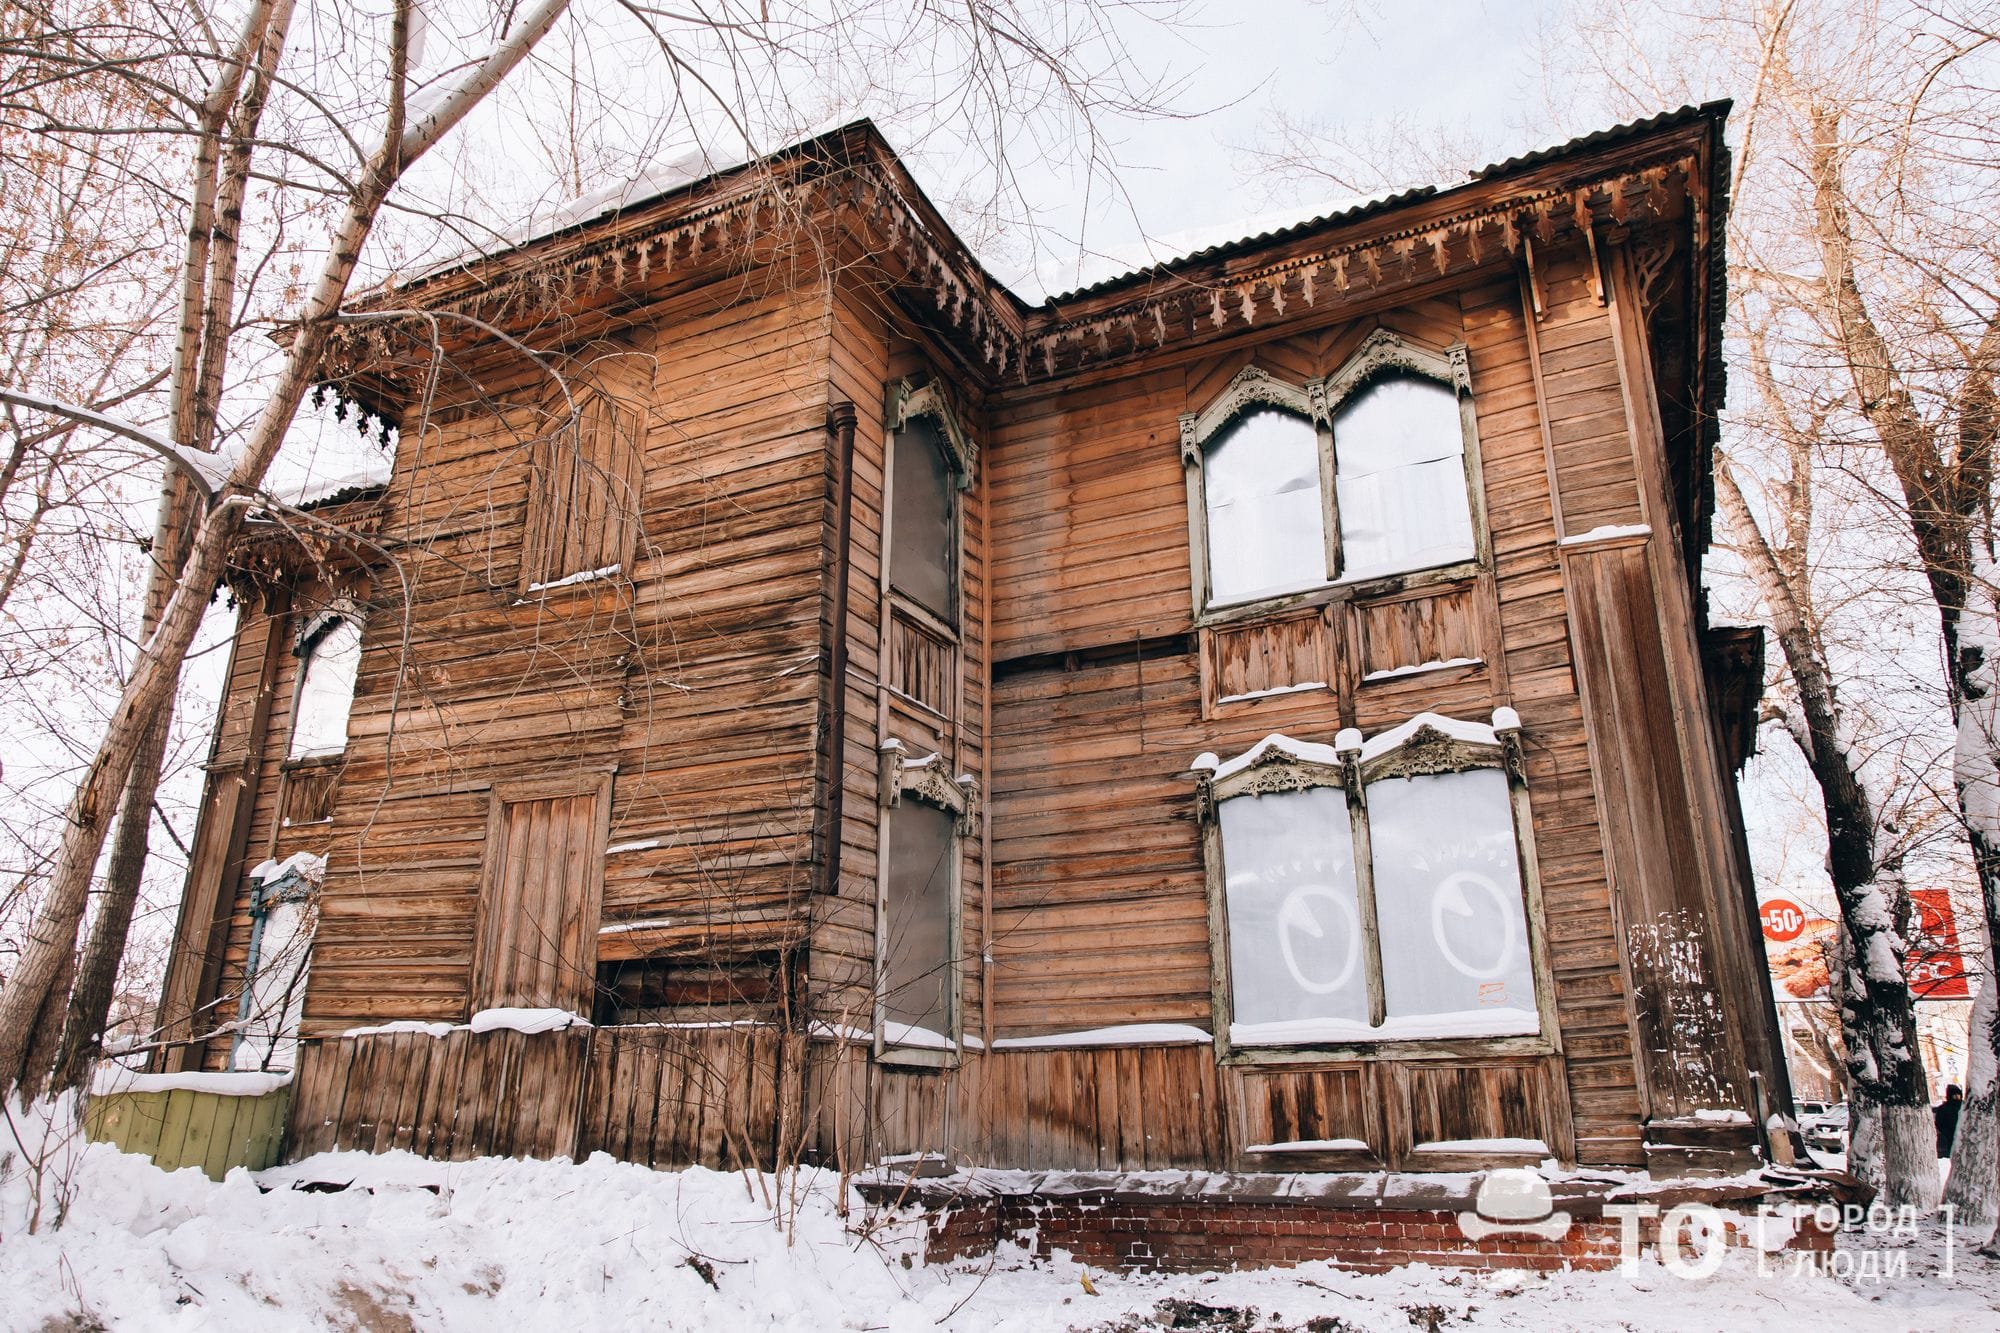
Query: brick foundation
[1109, 1230]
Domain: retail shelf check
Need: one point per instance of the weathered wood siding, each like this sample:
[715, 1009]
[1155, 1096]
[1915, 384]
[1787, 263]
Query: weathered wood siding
[1099, 708]
[933, 706]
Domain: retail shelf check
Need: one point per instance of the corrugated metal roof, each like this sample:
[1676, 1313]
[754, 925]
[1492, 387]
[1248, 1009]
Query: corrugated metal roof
[1339, 216]
[1595, 139]
[1602, 138]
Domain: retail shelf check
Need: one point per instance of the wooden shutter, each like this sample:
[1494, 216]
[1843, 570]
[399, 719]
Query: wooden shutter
[583, 495]
[540, 896]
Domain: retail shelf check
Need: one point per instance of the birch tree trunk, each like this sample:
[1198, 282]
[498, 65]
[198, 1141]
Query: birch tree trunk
[1891, 1142]
[1975, 1156]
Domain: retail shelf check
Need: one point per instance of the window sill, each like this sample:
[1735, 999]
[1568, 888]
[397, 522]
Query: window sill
[918, 1057]
[306, 763]
[1452, 1048]
[1341, 590]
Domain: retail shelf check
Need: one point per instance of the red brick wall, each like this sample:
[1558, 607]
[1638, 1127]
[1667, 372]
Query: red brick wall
[1183, 1236]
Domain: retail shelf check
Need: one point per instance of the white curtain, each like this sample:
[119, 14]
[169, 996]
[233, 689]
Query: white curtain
[319, 724]
[1296, 955]
[1399, 466]
[1448, 901]
[1266, 516]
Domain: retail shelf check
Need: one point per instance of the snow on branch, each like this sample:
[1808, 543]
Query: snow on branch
[207, 471]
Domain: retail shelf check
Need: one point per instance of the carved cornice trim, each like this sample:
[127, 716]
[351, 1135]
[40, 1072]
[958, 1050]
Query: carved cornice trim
[1500, 226]
[1278, 765]
[1252, 385]
[1429, 744]
[906, 399]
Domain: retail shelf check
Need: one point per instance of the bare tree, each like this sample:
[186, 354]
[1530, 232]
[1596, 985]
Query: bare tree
[291, 144]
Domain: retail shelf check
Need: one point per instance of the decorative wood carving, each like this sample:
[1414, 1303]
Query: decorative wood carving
[1429, 751]
[1252, 385]
[1383, 350]
[927, 780]
[907, 399]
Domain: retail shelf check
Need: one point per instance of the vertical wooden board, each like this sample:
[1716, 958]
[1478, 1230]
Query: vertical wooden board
[1131, 1112]
[444, 1095]
[356, 1115]
[646, 1091]
[468, 1138]
[416, 1080]
[222, 1147]
[594, 1124]
[199, 1120]
[318, 1087]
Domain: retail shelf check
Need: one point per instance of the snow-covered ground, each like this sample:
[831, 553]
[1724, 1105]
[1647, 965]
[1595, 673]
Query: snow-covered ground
[608, 1246]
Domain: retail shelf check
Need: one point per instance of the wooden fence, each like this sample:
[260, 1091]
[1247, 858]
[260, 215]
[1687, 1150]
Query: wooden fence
[189, 1127]
[664, 1097]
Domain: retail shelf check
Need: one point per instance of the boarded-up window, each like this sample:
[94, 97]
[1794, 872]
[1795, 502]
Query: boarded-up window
[332, 653]
[583, 493]
[916, 925]
[923, 532]
[539, 898]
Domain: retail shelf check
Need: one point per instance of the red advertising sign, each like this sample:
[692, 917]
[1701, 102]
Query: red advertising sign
[1937, 962]
[1784, 920]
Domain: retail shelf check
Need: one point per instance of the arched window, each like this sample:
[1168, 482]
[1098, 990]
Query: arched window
[923, 520]
[1358, 476]
[1399, 463]
[331, 649]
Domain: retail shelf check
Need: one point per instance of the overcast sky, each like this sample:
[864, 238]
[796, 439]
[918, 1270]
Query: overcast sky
[1469, 67]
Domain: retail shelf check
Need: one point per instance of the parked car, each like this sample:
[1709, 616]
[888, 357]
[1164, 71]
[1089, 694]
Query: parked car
[1827, 1131]
[1811, 1110]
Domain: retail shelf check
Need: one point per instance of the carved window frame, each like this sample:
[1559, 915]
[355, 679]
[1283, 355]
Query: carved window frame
[1319, 401]
[926, 781]
[1424, 749]
[905, 400]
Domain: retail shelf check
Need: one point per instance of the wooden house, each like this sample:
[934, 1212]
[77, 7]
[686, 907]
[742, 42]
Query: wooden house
[795, 700]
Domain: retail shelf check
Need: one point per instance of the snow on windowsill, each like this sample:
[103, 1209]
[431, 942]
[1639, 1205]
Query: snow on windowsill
[306, 865]
[1274, 691]
[583, 576]
[1129, 1034]
[110, 1079]
[1309, 1145]
[627, 927]
[401, 1025]
[1522, 1147]
[642, 845]
[1608, 532]
[921, 1038]
[1495, 1022]
[1423, 668]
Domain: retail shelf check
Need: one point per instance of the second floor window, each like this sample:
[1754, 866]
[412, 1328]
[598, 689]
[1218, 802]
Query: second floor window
[583, 496]
[1358, 476]
[923, 519]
